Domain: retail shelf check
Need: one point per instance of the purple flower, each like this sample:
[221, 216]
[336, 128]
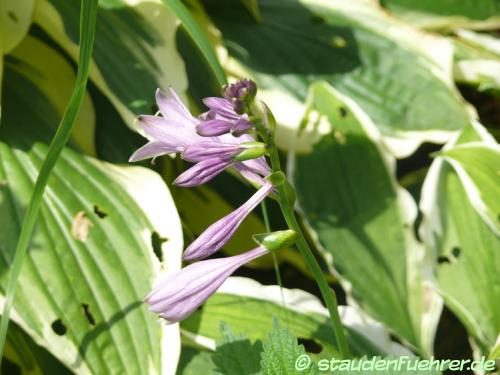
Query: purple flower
[168, 134]
[207, 150]
[240, 93]
[202, 172]
[220, 232]
[175, 132]
[222, 118]
[178, 295]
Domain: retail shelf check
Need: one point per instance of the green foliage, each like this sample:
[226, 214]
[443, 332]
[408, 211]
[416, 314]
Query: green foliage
[280, 353]
[460, 238]
[246, 304]
[359, 88]
[347, 190]
[235, 354]
[352, 51]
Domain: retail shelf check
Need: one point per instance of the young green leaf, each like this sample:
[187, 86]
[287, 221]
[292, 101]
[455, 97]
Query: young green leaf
[283, 355]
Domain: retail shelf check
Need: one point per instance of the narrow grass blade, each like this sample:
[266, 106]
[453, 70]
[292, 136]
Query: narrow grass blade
[87, 34]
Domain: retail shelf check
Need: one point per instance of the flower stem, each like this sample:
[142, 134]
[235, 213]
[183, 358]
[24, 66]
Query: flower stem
[327, 293]
[273, 253]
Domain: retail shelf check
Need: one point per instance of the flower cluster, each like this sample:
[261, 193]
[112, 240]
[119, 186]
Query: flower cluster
[214, 141]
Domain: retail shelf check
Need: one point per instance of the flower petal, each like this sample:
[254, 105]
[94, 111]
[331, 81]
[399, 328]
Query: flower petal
[241, 126]
[220, 232]
[152, 150]
[211, 128]
[173, 110]
[221, 106]
[202, 172]
[177, 295]
[159, 129]
[207, 150]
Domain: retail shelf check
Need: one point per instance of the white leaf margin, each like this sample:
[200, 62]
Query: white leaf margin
[431, 223]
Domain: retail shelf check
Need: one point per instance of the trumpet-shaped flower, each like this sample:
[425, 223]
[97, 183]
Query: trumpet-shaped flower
[220, 232]
[179, 294]
[175, 132]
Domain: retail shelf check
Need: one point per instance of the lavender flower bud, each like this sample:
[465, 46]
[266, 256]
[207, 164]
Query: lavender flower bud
[202, 172]
[213, 128]
[178, 295]
[241, 126]
[221, 119]
[206, 150]
[220, 232]
[240, 94]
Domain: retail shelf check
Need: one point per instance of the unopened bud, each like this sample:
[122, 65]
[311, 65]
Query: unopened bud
[250, 153]
[276, 240]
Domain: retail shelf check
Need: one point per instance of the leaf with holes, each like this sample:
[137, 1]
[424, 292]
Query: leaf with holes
[134, 49]
[91, 260]
[463, 243]
[23, 356]
[250, 306]
[363, 219]
[477, 165]
[400, 76]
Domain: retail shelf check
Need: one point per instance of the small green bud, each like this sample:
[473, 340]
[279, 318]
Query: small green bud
[252, 145]
[250, 153]
[276, 240]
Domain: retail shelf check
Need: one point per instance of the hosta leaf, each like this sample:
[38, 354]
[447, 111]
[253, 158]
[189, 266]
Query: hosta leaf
[33, 65]
[197, 36]
[478, 166]
[23, 356]
[249, 306]
[134, 49]
[91, 259]
[495, 352]
[15, 20]
[465, 246]
[477, 60]
[399, 76]
[445, 14]
[363, 220]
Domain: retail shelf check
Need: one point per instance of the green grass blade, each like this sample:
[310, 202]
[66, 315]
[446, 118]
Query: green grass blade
[87, 34]
[195, 32]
